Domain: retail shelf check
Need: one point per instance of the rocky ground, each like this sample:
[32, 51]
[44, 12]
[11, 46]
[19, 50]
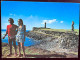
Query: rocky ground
[32, 52]
[61, 42]
[66, 40]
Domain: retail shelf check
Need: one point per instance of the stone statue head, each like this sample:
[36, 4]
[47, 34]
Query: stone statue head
[73, 22]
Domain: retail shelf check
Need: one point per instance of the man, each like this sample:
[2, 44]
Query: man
[11, 31]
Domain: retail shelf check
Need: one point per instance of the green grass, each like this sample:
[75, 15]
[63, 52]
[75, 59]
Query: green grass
[59, 30]
[62, 30]
[76, 53]
[5, 52]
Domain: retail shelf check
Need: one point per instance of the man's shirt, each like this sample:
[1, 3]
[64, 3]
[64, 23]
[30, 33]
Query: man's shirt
[11, 30]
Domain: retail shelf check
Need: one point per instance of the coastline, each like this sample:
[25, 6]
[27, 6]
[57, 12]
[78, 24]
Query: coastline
[49, 45]
[66, 40]
[58, 41]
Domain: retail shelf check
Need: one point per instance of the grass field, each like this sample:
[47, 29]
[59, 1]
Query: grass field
[62, 30]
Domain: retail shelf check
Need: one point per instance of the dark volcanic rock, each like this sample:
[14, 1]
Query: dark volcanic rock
[68, 40]
[65, 39]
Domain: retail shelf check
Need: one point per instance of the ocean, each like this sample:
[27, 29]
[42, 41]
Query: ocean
[28, 41]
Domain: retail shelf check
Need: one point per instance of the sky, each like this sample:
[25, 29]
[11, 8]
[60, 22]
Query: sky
[34, 14]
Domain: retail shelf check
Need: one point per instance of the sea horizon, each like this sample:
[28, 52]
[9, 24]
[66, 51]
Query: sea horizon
[5, 30]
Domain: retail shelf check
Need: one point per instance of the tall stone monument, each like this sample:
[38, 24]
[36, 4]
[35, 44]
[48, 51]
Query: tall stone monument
[45, 24]
[72, 25]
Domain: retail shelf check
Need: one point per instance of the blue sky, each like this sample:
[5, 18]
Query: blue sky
[34, 14]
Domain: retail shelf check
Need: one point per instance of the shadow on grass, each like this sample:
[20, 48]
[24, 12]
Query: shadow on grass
[45, 56]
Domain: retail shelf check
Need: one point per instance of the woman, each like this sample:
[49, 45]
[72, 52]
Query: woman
[20, 37]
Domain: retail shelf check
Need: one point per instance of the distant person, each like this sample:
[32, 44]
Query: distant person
[20, 37]
[72, 25]
[11, 31]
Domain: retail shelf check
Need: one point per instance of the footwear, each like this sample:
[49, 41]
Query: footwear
[9, 54]
[19, 55]
[15, 54]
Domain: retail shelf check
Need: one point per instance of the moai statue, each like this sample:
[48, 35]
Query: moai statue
[72, 25]
[45, 24]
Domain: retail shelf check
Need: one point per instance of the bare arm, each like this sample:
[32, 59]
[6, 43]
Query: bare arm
[24, 31]
[16, 29]
[6, 33]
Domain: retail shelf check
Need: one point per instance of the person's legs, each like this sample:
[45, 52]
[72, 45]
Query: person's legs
[22, 45]
[72, 28]
[10, 45]
[19, 48]
[14, 44]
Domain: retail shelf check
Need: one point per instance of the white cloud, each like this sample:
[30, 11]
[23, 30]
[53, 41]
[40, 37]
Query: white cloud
[6, 23]
[61, 21]
[49, 21]
[12, 14]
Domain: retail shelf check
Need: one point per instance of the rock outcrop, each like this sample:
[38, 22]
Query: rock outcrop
[65, 40]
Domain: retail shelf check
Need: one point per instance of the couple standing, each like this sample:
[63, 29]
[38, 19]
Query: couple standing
[16, 33]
